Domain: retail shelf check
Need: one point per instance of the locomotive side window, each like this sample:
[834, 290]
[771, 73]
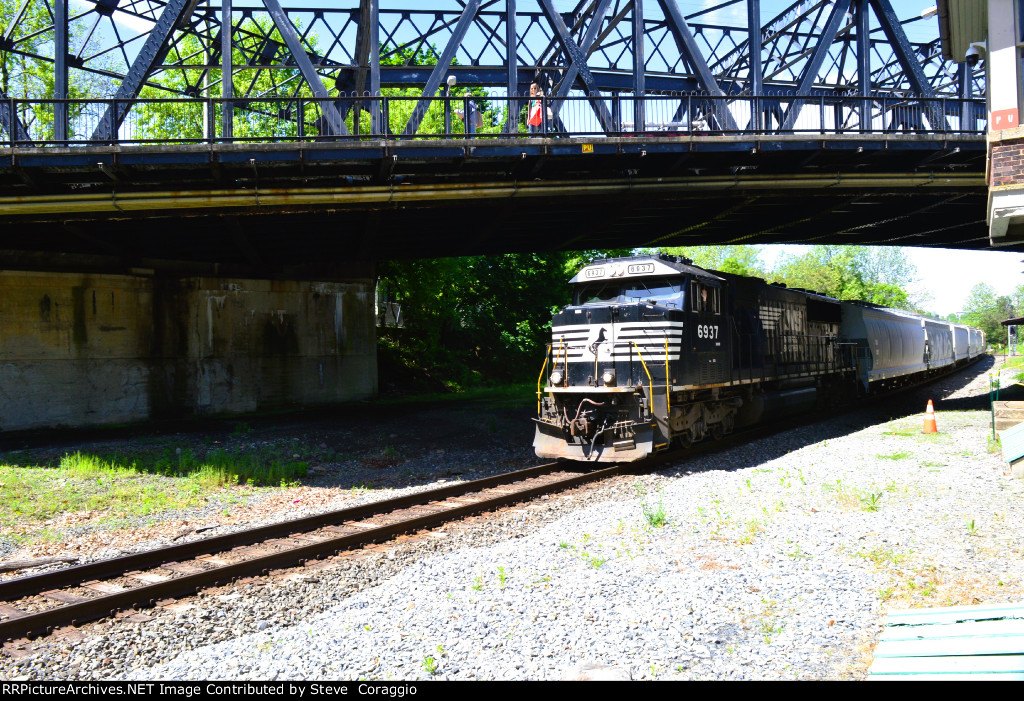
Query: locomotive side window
[706, 299]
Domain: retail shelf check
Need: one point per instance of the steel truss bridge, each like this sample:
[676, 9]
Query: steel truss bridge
[822, 122]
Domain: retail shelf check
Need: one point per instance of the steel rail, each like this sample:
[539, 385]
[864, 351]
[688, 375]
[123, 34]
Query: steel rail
[24, 586]
[43, 622]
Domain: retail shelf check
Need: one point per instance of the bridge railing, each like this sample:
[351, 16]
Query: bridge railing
[175, 121]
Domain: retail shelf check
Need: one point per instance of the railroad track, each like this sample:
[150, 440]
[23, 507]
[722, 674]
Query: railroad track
[36, 605]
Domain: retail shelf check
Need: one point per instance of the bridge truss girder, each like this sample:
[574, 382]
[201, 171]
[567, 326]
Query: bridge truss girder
[125, 49]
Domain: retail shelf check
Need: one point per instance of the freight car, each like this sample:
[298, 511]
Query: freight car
[654, 351]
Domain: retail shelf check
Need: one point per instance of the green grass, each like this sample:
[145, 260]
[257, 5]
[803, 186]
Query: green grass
[884, 556]
[130, 484]
[901, 455]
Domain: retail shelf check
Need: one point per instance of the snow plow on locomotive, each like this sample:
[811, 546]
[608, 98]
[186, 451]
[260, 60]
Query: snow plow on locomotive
[655, 351]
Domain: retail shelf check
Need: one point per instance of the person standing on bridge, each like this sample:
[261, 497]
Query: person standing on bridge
[471, 115]
[535, 109]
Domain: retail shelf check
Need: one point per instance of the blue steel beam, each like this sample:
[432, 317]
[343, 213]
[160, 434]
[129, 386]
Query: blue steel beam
[227, 70]
[573, 69]
[149, 56]
[688, 48]
[301, 58]
[755, 81]
[60, 69]
[639, 70]
[511, 66]
[9, 120]
[577, 57]
[444, 62]
[908, 59]
[810, 74]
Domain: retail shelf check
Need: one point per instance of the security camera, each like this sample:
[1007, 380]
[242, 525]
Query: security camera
[975, 52]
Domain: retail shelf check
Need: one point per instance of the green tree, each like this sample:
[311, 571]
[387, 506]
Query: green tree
[474, 319]
[986, 310]
[739, 260]
[402, 101]
[31, 78]
[875, 275]
[268, 98]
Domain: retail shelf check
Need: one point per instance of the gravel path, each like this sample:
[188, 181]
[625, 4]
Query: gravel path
[776, 560]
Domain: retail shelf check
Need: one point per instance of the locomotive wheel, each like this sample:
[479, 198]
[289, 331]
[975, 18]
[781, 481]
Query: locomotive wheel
[717, 431]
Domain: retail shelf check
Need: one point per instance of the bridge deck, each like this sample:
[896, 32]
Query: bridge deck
[231, 204]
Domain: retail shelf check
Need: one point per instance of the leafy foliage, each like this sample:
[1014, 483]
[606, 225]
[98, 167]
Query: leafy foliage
[873, 275]
[876, 275]
[30, 78]
[985, 310]
[474, 319]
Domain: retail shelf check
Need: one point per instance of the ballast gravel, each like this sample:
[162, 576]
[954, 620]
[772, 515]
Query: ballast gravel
[773, 560]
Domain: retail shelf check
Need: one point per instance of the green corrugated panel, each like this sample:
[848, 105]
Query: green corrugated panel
[953, 646]
[955, 642]
[970, 664]
[1013, 443]
[1013, 626]
[953, 614]
[1007, 677]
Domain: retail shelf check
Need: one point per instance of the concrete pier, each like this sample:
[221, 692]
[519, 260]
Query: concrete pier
[94, 349]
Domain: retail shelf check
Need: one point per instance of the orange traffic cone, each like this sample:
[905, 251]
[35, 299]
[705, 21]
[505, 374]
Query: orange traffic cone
[929, 419]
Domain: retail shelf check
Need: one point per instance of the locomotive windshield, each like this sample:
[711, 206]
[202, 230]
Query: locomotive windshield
[665, 291]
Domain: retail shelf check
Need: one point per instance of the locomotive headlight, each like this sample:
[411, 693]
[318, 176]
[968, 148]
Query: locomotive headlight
[608, 378]
[556, 378]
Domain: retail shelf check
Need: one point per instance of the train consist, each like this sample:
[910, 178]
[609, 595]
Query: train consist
[654, 351]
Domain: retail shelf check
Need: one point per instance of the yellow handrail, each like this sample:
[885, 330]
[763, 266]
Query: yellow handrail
[541, 376]
[650, 382]
[668, 408]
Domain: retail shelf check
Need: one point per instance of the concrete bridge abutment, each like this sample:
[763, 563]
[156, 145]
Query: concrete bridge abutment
[81, 349]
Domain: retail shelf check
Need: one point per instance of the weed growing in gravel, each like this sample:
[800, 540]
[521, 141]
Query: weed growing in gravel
[971, 528]
[768, 622]
[501, 577]
[655, 515]
[596, 561]
[901, 455]
[754, 529]
[871, 501]
[430, 665]
[995, 445]
[563, 545]
[884, 556]
[797, 553]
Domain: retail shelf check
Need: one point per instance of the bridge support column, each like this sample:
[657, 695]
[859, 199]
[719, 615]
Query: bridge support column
[86, 349]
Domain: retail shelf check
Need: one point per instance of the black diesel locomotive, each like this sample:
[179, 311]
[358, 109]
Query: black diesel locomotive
[654, 350]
